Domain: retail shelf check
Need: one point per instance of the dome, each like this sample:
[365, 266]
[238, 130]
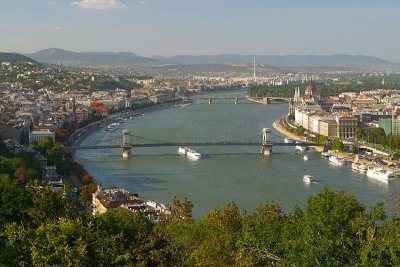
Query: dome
[310, 88]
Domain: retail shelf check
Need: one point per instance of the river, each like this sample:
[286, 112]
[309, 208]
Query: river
[224, 174]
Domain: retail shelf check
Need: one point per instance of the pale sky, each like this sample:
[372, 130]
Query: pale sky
[198, 27]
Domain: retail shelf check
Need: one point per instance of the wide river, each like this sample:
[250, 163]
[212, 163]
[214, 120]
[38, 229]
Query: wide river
[224, 174]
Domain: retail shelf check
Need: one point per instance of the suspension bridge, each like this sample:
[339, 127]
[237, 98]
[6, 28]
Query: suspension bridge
[129, 141]
[236, 99]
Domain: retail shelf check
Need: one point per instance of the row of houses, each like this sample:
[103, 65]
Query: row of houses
[123, 200]
[339, 117]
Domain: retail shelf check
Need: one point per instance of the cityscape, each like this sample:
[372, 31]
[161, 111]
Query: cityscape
[199, 149]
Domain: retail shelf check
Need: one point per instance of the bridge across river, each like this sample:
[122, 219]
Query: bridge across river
[128, 141]
[265, 100]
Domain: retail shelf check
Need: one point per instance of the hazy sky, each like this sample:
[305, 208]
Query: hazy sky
[171, 27]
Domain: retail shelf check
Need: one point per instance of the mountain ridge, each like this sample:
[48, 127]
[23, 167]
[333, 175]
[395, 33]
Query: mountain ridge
[17, 58]
[88, 59]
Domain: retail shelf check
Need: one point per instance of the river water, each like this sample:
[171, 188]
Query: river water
[224, 174]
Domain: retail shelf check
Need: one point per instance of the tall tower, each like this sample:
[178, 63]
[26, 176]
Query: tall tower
[254, 69]
[394, 122]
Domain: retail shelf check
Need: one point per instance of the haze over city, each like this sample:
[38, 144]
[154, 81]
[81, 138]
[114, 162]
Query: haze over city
[172, 27]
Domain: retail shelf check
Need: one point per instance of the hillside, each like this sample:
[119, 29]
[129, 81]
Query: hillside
[17, 58]
[272, 62]
[352, 61]
[88, 59]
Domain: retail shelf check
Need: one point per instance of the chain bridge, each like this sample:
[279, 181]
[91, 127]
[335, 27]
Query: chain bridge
[127, 141]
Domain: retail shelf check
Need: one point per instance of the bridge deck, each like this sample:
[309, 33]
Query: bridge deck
[177, 144]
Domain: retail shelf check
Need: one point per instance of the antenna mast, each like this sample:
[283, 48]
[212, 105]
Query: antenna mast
[254, 68]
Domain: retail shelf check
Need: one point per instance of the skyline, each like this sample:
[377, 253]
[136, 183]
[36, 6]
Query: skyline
[179, 27]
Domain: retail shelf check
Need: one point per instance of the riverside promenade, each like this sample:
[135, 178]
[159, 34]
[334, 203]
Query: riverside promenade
[278, 125]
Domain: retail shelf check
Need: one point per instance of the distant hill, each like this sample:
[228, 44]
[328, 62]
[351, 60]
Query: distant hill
[89, 59]
[273, 62]
[17, 58]
[357, 61]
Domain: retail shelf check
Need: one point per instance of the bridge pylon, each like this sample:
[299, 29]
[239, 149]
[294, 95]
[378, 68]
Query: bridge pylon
[126, 144]
[266, 149]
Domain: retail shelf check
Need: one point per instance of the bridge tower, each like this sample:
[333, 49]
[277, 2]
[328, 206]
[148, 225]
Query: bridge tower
[266, 149]
[126, 143]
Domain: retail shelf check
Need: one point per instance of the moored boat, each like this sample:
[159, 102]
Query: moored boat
[308, 179]
[182, 150]
[336, 160]
[306, 157]
[193, 154]
[300, 149]
[359, 167]
[112, 126]
[325, 154]
[380, 174]
[288, 141]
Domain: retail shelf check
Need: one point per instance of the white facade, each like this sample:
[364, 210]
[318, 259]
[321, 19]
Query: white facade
[39, 135]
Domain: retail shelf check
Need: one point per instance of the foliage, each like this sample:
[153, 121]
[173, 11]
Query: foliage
[41, 228]
[337, 144]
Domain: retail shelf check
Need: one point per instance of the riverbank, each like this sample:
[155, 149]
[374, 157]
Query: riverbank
[81, 134]
[278, 125]
[257, 101]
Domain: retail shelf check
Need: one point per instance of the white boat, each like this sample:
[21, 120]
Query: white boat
[193, 154]
[359, 167]
[112, 126]
[308, 179]
[336, 160]
[325, 154]
[380, 174]
[300, 148]
[306, 157]
[288, 141]
[182, 150]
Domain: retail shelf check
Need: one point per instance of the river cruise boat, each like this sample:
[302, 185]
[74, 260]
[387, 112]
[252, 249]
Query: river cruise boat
[300, 149]
[112, 126]
[306, 157]
[380, 174]
[182, 150]
[288, 141]
[325, 154]
[308, 179]
[336, 160]
[193, 154]
[359, 167]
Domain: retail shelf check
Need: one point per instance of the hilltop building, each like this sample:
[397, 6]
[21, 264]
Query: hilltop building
[123, 200]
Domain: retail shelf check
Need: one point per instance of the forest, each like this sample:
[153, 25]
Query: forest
[41, 228]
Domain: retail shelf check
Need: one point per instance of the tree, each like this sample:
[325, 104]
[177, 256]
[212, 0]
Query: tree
[181, 211]
[215, 238]
[14, 201]
[87, 179]
[63, 242]
[62, 135]
[330, 230]
[15, 245]
[119, 239]
[24, 175]
[337, 144]
[47, 206]
[358, 133]
[262, 235]
[87, 191]
[45, 144]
